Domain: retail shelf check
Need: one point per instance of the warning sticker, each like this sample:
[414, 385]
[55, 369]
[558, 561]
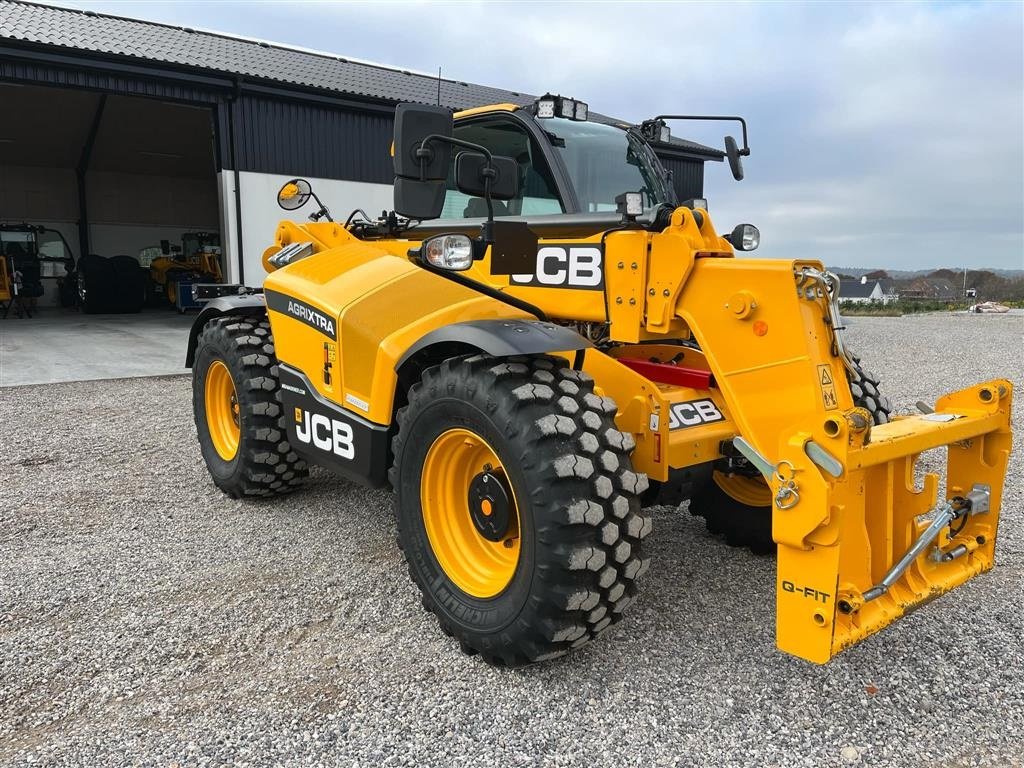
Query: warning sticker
[828, 387]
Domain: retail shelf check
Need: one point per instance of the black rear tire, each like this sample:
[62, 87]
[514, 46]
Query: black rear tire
[580, 522]
[265, 463]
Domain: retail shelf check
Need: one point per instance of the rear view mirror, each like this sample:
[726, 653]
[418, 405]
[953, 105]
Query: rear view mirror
[294, 194]
[419, 199]
[732, 151]
[470, 179]
[421, 170]
[413, 124]
[165, 247]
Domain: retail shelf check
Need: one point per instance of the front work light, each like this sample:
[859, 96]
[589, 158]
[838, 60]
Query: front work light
[745, 237]
[452, 252]
[655, 132]
[630, 204]
[558, 106]
[545, 107]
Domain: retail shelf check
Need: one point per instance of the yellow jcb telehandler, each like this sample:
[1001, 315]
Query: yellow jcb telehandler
[539, 341]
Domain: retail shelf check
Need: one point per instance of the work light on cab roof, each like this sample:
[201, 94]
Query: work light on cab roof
[548, 106]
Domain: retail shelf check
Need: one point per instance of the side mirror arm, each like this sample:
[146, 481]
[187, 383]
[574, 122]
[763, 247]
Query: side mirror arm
[732, 118]
[321, 212]
[424, 154]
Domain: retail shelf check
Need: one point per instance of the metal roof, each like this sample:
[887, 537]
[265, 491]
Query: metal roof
[115, 36]
[855, 289]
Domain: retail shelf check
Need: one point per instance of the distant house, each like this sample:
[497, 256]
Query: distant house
[890, 290]
[864, 291]
[929, 289]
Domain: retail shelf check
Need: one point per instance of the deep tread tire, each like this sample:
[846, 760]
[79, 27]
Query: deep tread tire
[866, 394]
[580, 518]
[265, 463]
[742, 525]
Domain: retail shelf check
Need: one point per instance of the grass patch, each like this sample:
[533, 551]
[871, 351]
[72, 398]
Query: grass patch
[851, 309]
[900, 308]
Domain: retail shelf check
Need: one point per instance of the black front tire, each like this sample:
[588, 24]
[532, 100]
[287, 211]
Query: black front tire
[866, 394]
[581, 525]
[740, 524]
[265, 463]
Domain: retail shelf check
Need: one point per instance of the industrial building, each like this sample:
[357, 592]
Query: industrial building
[121, 133]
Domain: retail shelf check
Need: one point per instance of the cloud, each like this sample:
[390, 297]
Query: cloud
[883, 134]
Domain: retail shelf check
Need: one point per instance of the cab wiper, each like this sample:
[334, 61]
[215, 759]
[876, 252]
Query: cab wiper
[556, 141]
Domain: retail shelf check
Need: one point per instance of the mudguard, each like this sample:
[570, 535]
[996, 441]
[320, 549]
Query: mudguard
[247, 305]
[502, 338]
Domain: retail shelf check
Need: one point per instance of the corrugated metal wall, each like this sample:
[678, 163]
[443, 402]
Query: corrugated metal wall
[303, 139]
[687, 176]
[311, 137]
[124, 80]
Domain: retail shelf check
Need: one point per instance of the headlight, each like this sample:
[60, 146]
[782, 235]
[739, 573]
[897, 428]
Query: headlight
[745, 237]
[453, 252]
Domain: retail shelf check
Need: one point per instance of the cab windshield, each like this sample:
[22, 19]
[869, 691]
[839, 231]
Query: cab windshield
[604, 161]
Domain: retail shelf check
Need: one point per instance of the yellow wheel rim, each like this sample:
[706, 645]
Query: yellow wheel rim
[172, 293]
[477, 565]
[752, 491]
[222, 411]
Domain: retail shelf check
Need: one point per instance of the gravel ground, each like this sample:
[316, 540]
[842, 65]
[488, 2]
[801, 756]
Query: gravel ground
[146, 619]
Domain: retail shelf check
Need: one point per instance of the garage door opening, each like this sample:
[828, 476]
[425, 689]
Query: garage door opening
[125, 179]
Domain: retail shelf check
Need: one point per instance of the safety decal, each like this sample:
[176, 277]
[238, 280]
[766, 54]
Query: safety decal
[828, 387]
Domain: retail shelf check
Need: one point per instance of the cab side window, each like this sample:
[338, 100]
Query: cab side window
[537, 192]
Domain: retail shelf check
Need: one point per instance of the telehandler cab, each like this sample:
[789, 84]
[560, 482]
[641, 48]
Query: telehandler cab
[539, 341]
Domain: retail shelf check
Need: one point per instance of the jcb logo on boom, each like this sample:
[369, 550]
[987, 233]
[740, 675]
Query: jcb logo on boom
[325, 433]
[566, 266]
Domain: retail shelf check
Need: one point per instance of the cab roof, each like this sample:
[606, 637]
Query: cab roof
[682, 145]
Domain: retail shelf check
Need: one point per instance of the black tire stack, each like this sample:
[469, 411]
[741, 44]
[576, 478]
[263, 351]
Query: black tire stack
[111, 285]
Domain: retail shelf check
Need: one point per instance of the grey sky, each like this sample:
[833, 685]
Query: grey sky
[882, 134]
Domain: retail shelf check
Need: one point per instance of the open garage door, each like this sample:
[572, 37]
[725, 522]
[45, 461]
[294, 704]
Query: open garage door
[122, 178]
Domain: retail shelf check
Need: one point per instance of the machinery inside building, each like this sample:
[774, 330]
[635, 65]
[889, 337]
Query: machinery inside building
[88, 174]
